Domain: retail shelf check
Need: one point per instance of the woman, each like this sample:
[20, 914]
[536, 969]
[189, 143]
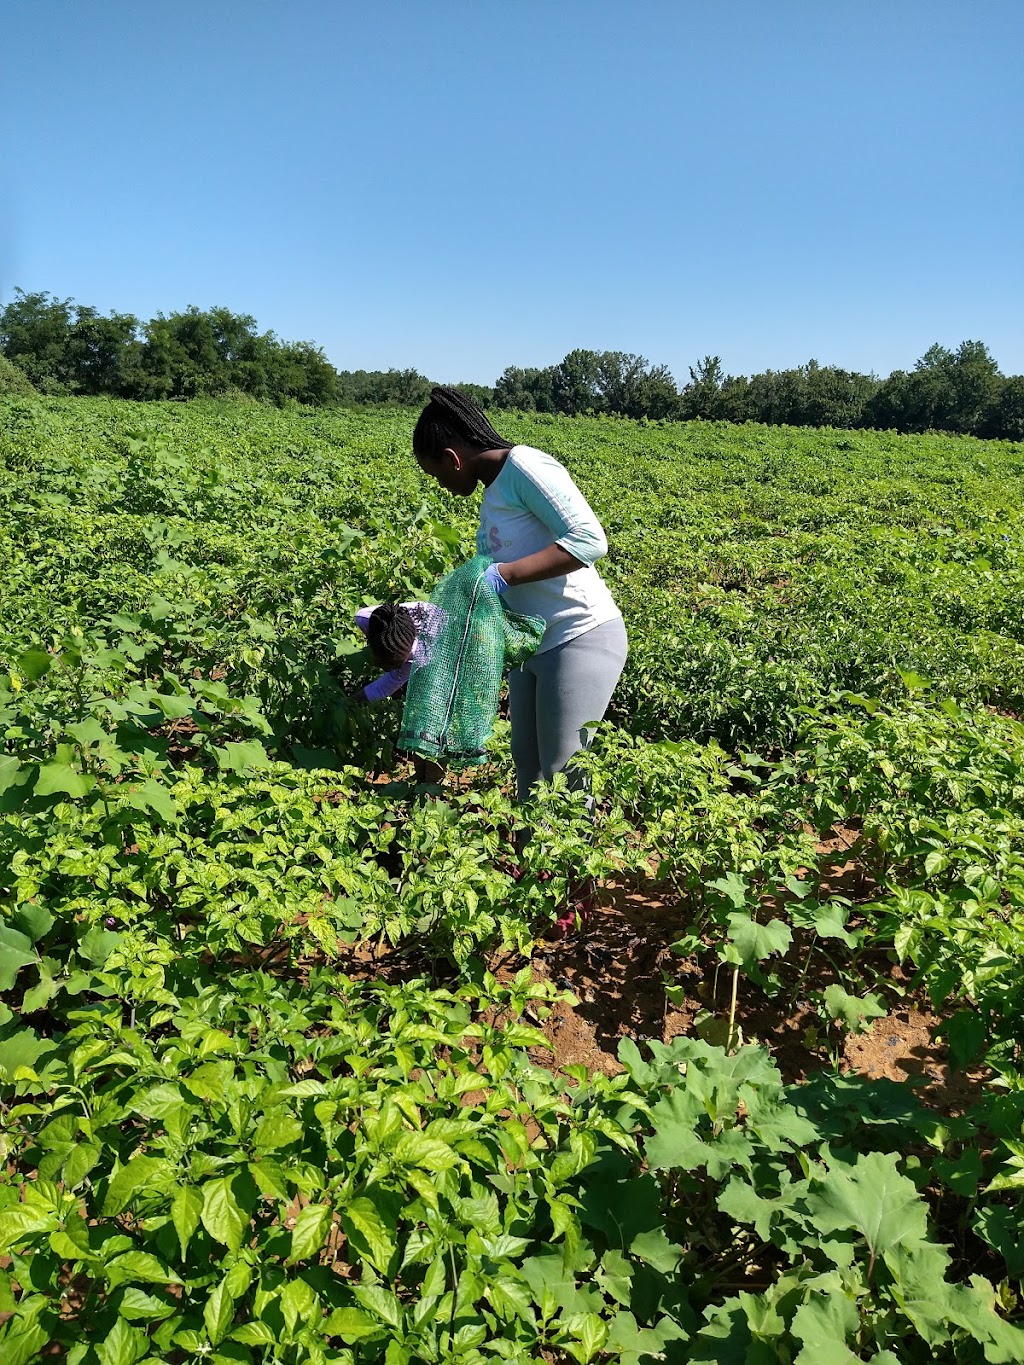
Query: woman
[544, 540]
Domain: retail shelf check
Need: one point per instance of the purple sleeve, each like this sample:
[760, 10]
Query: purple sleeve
[434, 617]
[363, 618]
[388, 683]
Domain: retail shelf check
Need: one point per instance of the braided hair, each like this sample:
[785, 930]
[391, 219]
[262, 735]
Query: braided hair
[452, 418]
[391, 633]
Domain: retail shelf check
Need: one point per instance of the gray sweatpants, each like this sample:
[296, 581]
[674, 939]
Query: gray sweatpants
[554, 695]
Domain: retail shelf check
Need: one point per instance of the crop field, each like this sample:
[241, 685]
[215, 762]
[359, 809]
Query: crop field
[289, 1073]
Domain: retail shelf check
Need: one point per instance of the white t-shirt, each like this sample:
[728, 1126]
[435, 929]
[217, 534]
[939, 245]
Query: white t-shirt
[532, 503]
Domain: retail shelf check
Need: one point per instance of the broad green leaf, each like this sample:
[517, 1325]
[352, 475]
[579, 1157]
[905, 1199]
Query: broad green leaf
[97, 945]
[967, 1033]
[913, 682]
[222, 1215]
[270, 1178]
[310, 1232]
[741, 1201]
[616, 1276]
[154, 796]
[23, 1342]
[138, 1306]
[171, 706]
[32, 919]
[363, 1224]
[277, 1129]
[35, 664]
[416, 1149]
[1003, 1229]
[80, 1160]
[123, 1345]
[636, 1345]
[674, 1142]
[824, 1324]
[88, 731]
[352, 1324]
[380, 1301]
[210, 1080]
[10, 771]
[964, 1175]
[590, 1332]
[241, 757]
[186, 1209]
[751, 942]
[511, 1299]
[137, 1175]
[856, 1012]
[21, 1222]
[298, 1302]
[16, 951]
[159, 1101]
[872, 1200]
[218, 1312]
[58, 777]
[733, 887]
[23, 1048]
[253, 1334]
[830, 922]
[139, 1265]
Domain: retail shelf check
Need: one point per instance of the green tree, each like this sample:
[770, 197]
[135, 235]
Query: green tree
[35, 332]
[973, 383]
[13, 380]
[702, 396]
[576, 383]
[659, 395]
[403, 388]
[481, 394]
[105, 354]
[620, 382]
[834, 397]
[530, 390]
[182, 357]
[734, 399]
[778, 396]
[1005, 417]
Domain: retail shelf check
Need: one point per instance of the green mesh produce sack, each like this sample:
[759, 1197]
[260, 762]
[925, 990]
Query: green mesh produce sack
[452, 699]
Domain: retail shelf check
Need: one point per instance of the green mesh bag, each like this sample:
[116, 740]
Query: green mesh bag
[452, 699]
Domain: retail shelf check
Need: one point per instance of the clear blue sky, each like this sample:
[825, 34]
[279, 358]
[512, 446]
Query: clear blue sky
[461, 185]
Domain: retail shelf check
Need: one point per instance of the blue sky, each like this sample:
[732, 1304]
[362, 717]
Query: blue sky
[461, 185]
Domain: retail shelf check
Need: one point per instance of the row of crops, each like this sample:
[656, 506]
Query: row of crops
[226, 1137]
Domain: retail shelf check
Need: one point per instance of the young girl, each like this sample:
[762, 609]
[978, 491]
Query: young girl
[400, 636]
[544, 539]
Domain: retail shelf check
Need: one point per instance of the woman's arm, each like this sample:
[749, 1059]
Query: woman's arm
[546, 489]
[551, 562]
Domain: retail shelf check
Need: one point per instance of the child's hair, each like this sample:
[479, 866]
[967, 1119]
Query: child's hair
[452, 417]
[391, 633]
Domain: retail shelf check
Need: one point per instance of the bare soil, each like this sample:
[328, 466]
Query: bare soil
[626, 982]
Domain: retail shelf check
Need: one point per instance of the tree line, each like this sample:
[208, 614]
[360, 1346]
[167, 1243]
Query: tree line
[54, 346]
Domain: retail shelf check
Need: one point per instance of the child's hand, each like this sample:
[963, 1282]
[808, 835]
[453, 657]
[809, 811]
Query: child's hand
[358, 698]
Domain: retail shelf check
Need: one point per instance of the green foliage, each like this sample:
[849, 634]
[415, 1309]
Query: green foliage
[218, 1146]
[13, 380]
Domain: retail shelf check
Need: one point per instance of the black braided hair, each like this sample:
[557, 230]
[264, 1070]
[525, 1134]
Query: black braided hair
[450, 417]
[391, 633]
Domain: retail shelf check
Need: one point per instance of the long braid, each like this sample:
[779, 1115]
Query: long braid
[451, 416]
